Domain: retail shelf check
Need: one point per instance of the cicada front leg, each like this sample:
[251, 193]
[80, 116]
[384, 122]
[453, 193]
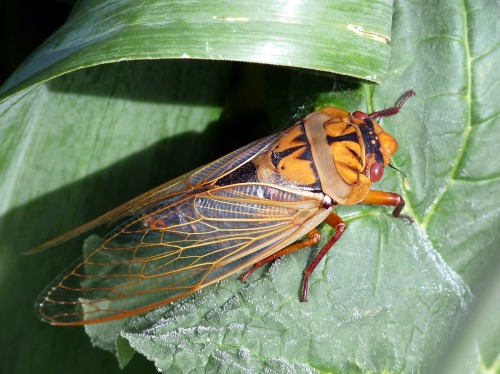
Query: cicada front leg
[392, 111]
[388, 199]
[313, 237]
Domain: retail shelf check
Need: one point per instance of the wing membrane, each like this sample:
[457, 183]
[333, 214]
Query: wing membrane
[172, 190]
[175, 247]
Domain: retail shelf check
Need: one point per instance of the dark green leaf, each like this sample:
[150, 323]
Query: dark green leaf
[342, 37]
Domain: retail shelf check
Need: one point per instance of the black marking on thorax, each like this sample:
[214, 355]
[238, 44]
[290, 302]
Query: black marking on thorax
[352, 137]
[246, 173]
[276, 157]
[371, 140]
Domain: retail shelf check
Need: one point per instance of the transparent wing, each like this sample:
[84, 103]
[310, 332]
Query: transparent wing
[172, 190]
[176, 247]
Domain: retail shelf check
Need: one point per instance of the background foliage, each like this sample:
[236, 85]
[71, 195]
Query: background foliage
[79, 137]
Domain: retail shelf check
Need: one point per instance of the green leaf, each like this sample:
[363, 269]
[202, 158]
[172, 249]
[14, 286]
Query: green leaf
[357, 317]
[388, 297]
[342, 37]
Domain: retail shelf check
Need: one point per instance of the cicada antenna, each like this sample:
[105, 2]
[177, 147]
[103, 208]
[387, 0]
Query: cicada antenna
[395, 168]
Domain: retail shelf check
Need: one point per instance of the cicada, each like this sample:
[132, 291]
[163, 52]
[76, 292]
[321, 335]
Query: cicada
[238, 212]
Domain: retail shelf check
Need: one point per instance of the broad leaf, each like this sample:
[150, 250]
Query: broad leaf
[388, 297]
[343, 37]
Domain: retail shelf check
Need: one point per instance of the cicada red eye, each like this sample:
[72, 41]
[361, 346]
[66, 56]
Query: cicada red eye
[376, 172]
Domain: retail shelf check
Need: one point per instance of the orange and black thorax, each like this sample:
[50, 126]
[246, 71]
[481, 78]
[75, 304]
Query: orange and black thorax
[330, 151]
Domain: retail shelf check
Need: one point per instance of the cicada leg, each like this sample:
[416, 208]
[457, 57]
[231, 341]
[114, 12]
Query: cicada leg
[339, 225]
[313, 237]
[389, 199]
[392, 111]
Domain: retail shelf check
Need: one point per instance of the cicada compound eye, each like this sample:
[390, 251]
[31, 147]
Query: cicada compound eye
[376, 172]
